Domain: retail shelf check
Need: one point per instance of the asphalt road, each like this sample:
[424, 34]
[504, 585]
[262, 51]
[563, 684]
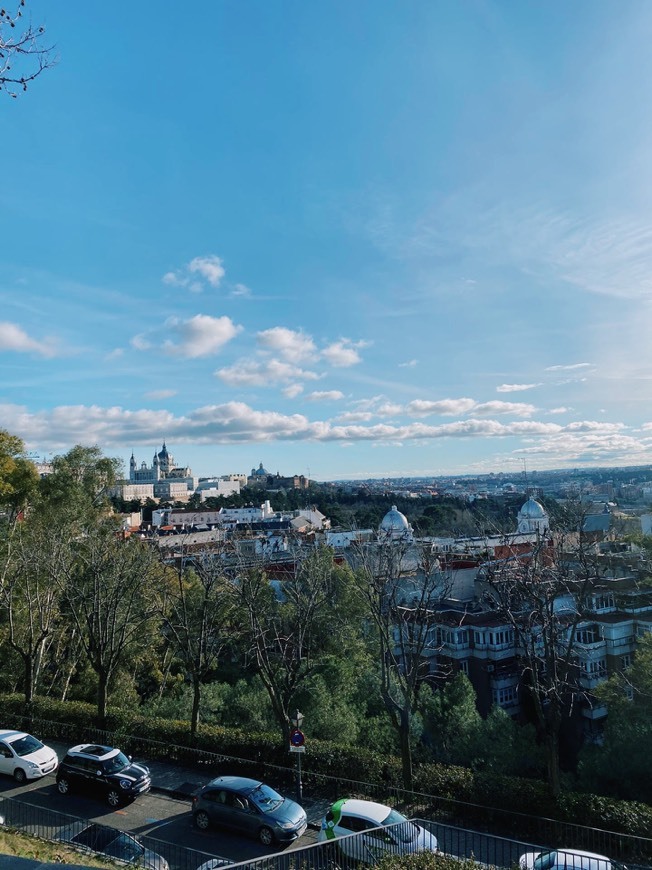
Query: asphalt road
[152, 815]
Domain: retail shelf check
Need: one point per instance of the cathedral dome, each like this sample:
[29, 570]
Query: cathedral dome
[394, 521]
[532, 510]
[532, 518]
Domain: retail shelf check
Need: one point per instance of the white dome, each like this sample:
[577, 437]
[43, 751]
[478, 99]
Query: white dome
[532, 509]
[394, 521]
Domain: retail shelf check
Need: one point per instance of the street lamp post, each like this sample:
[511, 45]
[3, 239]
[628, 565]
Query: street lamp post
[297, 721]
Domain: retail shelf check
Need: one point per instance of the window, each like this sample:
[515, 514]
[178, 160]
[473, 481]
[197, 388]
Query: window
[596, 668]
[505, 697]
[464, 667]
[501, 638]
[352, 823]
[588, 635]
[626, 661]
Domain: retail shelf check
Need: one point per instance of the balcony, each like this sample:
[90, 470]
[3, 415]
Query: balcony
[598, 711]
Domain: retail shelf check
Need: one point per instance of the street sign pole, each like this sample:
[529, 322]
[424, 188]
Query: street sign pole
[297, 746]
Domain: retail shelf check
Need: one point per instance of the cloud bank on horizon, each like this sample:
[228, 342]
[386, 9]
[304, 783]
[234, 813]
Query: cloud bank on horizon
[428, 251]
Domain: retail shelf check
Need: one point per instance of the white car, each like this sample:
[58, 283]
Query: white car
[380, 831]
[567, 859]
[24, 757]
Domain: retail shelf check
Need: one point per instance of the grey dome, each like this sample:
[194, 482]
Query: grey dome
[532, 510]
[394, 521]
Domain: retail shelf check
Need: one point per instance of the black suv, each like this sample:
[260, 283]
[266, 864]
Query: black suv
[102, 770]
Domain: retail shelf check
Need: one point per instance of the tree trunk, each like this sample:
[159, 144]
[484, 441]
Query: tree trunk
[406, 750]
[196, 696]
[29, 683]
[102, 697]
[552, 763]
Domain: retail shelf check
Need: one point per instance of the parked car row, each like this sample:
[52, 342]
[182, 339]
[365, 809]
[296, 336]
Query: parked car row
[365, 830]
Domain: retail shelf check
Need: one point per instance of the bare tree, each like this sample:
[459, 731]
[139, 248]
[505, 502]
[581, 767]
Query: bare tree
[545, 597]
[401, 585]
[23, 55]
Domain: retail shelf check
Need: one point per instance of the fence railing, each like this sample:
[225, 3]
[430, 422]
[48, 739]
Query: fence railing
[367, 847]
[323, 788]
[57, 827]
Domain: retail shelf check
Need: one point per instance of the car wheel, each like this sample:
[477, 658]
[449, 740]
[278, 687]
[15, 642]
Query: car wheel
[19, 775]
[113, 797]
[266, 836]
[63, 785]
[201, 820]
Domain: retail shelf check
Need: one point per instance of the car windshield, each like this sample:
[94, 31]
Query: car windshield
[265, 798]
[116, 763]
[26, 745]
[404, 831]
[544, 861]
[125, 847]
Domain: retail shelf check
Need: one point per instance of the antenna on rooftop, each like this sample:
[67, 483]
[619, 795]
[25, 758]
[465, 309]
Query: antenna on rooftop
[527, 488]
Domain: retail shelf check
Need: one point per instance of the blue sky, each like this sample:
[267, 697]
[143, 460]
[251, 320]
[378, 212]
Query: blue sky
[346, 239]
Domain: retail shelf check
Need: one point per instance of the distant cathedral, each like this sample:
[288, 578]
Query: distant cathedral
[162, 468]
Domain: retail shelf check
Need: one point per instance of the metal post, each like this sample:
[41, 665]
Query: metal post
[298, 722]
[298, 775]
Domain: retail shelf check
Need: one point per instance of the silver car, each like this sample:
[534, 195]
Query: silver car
[102, 840]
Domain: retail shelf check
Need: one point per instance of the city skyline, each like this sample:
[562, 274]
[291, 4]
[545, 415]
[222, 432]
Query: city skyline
[344, 240]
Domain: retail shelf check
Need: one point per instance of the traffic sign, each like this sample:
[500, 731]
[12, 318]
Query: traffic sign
[297, 738]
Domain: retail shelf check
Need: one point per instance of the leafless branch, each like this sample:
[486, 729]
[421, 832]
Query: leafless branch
[23, 54]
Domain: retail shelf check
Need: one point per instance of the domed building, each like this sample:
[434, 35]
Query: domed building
[533, 518]
[395, 527]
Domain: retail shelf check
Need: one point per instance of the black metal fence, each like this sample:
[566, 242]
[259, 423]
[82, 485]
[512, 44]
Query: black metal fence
[52, 825]
[366, 848]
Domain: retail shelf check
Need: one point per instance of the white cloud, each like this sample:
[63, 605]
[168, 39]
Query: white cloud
[518, 409]
[241, 290]
[14, 338]
[562, 368]
[343, 353]
[237, 423]
[515, 388]
[287, 343]
[325, 396]
[388, 409]
[208, 269]
[559, 410]
[199, 336]
[292, 391]
[140, 342]
[263, 373]
[445, 407]
[408, 365]
[360, 417]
